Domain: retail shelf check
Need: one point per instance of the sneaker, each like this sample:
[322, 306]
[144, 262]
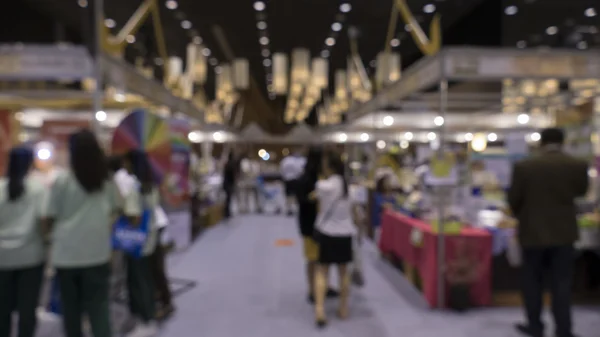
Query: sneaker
[144, 330]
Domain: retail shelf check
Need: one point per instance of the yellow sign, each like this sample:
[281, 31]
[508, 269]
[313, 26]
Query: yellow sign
[428, 45]
[441, 166]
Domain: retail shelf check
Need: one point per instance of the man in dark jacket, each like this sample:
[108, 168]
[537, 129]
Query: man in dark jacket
[542, 198]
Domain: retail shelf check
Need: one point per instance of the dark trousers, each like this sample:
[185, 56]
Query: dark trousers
[229, 190]
[140, 288]
[85, 291]
[20, 292]
[160, 276]
[557, 262]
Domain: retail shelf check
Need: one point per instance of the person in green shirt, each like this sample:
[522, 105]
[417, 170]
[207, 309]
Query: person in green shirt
[21, 244]
[140, 282]
[82, 206]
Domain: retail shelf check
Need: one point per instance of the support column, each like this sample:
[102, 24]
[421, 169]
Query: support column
[442, 197]
[98, 94]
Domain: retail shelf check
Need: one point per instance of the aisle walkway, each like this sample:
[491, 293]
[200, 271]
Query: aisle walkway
[247, 286]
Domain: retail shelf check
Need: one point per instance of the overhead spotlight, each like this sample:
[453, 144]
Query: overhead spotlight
[101, 116]
[523, 119]
[345, 8]
[266, 62]
[82, 3]
[336, 26]
[264, 40]
[364, 137]
[438, 121]
[342, 137]
[158, 61]
[468, 136]
[171, 4]
[197, 40]
[590, 12]
[492, 137]
[511, 10]
[407, 27]
[185, 24]
[110, 23]
[521, 44]
[388, 120]
[325, 53]
[380, 144]
[265, 53]
[408, 136]
[259, 6]
[431, 136]
[261, 25]
[218, 136]
[206, 52]
[213, 61]
[582, 45]
[535, 137]
[262, 153]
[552, 30]
[395, 42]
[429, 8]
[218, 69]
[330, 41]
[404, 144]
[194, 137]
[130, 39]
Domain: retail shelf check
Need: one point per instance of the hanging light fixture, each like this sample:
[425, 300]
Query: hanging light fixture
[241, 74]
[300, 65]
[174, 70]
[341, 84]
[320, 72]
[280, 73]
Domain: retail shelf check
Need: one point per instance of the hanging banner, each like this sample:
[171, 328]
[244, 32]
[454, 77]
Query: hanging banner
[44, 62]
[175, 188]
[57, 132]
[9, 132]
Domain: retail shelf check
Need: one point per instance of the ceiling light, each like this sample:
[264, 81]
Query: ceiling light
[590, 12]
[492, 137]
[345, 8]
[194, 137]
[523, 119]
[336, 26]
[408, 136]
[364, 137]
[119, 97]
[535, 137]
[511, 10]
[110, 23]
[407, 27]
[197, 40]
[468, 136]
[388, 120]
[404, 144]
[82, 3]
[206, 52]
[213, 61]
[259, 6]
[429, 8]
[380, 144]
[330, 41]
[264, 40]
[395, 42]
[265, 53]
[582, 45]
[438, 121]
[130, 39]
[267, 62]
[552, 30]
[171, 4]
[100, 116]
[158, 61]
[218, 136]
[431, 136]
[343, 137]
[521, 44]
[261, 25]
[325, 53]
[185, 24]
[218, 69]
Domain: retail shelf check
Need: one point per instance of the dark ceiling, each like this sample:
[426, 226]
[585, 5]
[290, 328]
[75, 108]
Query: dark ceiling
[307, 23]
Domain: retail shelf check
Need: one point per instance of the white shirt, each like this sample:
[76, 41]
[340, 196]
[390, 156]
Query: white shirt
[124, 181]
[335, 209]
[292, 167]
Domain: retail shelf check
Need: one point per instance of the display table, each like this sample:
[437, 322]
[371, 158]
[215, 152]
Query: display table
[420, 261]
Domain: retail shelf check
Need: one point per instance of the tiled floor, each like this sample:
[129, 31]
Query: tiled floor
[247, 286]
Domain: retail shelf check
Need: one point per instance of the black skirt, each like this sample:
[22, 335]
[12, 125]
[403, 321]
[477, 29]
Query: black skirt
[334, 249]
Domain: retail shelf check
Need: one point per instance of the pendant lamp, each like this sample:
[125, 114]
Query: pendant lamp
[241, 74]
[280, 73]
[300, 65]
[320, 72]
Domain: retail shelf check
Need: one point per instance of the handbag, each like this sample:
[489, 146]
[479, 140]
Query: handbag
[131, 238]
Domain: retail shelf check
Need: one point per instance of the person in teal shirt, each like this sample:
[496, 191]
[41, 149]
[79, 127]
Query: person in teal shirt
[140, 282]
[82, 207]
[21, 244]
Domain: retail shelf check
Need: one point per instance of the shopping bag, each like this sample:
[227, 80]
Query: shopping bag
[131, 238]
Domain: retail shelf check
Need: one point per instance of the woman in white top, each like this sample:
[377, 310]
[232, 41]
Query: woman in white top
[335, 230]
[21, 244]
[82, 207]
[140, 282]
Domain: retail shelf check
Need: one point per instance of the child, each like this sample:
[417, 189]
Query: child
[461, 273]
[384, 198]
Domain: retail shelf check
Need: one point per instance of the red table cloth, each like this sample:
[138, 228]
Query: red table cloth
[396, 240]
